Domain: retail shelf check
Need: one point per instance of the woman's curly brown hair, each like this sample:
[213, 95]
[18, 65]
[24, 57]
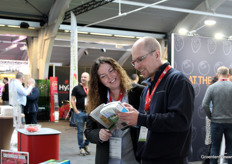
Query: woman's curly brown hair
[97, 90]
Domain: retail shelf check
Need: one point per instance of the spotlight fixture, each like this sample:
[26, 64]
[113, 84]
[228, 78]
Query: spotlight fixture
[209, 22]
[86, 52]
[103, 50]
[24, 25]
[183, 31]
[218, 36]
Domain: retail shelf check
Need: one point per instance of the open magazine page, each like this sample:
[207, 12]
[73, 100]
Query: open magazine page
[106, 114]
[95, 114]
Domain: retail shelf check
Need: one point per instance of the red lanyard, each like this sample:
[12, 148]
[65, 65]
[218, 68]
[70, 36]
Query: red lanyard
[148, 98]
[223, 80]
[85, 89]
[119, 98]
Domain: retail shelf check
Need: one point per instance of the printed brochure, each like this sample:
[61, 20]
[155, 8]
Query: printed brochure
[106, 114]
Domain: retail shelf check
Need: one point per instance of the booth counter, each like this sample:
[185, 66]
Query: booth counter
[42, 145]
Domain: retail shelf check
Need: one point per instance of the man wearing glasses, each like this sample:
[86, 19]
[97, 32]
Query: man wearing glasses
[166, 108]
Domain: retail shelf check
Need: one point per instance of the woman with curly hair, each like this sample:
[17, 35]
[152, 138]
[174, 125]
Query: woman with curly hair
[109, 82]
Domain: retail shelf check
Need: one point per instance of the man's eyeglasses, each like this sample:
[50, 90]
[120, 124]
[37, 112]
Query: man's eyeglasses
[140, 59]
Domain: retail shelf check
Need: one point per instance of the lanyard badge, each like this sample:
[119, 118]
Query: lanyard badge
[148, 98]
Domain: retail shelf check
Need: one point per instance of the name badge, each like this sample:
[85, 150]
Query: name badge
[143, 134]
[85, 100]
[116, 147]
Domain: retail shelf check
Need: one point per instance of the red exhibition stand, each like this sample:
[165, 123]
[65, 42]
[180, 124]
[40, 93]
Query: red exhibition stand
[42, 145]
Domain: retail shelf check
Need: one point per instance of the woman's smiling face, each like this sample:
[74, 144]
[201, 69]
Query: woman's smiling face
[108, 76]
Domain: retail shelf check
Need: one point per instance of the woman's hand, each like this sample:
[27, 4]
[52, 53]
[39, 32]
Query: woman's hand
[105, 134]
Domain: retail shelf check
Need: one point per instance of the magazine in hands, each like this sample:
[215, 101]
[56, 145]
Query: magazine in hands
[106, 114]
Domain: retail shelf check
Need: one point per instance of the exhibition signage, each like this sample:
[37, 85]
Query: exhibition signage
[199, 58]
[53, 97]
[74, 55]
[14, 65]
[12, 157]
[62, 73]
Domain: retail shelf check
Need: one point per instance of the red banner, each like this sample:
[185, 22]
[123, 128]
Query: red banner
[53, 91]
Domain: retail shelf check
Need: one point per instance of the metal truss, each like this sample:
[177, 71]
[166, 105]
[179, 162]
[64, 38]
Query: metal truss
[86, 7]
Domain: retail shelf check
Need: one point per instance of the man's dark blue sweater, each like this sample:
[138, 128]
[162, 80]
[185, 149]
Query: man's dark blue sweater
[169, 120]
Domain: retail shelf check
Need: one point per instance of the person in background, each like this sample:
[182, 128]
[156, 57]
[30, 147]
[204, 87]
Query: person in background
[17, 85]
[31, 108]
[5, 92]
[207, 128]
[135, 78]
[220, 94]
[108, 83]
[78, 101]
[166, 107]
[230, 72]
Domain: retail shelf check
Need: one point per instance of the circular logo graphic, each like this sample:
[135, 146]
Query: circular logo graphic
[227, 47]
[196, 44]
[217, 65]
[204, 68]
[196, 88]
[179, 43]
[187, 67]
[54, 84]
[211, 45]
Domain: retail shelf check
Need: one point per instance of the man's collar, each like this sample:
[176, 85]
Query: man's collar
[159, 71]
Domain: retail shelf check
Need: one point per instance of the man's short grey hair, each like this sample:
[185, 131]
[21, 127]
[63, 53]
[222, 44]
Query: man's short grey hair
[223, 71]
[151, 44]
[31, 80]
[19, 75]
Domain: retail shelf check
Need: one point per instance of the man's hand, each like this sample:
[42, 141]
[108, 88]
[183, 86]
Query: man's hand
[131, 117]
[76, 111]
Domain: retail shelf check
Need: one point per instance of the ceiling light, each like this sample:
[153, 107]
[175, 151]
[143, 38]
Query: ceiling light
[24, 47]
[218, 36]
[124, 36]
[21, 37]
[209, 22]
[101, 34]
[11, 47]
[182, 31]
[119, 46]
[13, 26]
[81, 32]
